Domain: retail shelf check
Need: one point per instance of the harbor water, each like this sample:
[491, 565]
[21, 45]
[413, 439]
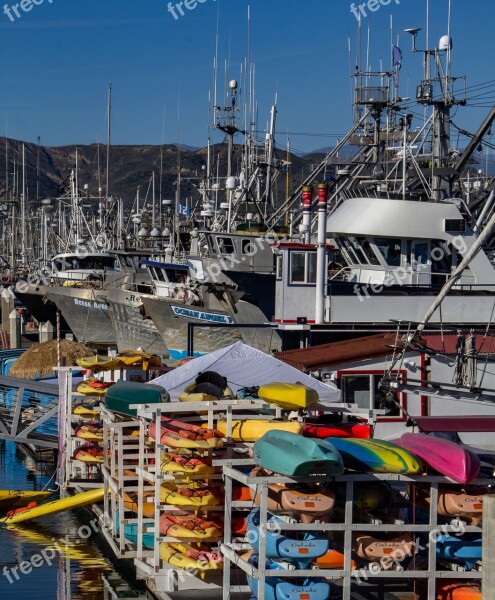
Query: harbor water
[63, 556]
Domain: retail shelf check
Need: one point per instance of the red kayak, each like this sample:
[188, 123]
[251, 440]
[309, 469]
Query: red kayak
[338, 430]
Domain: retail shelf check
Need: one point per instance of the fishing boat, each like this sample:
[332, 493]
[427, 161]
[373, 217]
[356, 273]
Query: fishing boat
[466, 549]
[342, 430]
[251, 430]
[308, 503]
[448, 458]
[289, 396]
[277, 588]
[125, 393]
[376, 456]
[12, 499]
[296, 456]
[299, 550]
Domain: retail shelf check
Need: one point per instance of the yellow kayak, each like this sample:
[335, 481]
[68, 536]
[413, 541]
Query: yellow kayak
[11, 499]
[102, 363]
[51, 508]
[83, 410]
[184, 462]
[251, 430]
[134, 358]
[187, 556]
[290, 396]
[89, 390]
[188, 496]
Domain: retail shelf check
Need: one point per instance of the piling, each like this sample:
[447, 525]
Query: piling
[47, 332]
[15, 329]
[7, 301]
[488, 556]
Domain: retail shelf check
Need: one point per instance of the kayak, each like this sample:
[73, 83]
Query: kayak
[190, 394]
[102, 363]
[306, 503]
[466, 550]
[296, 456]
[11, 499]
[132, 502]
[125, 393]
[188, 496]
[89, 411]
[385, 552]
[137, 358]
[187, 557]
[57, 506]
[446, 457]
[332, 559]
[251, 430]
[87, 389]
[89, 453]
[186, 464]
[277, 588]
[93, 430]
[451, 502]
[339, 430]
[376, 456]
[289, 396]
[299, 550]
[458, 591]
[367, 496]
[189, 527]
[177, 434]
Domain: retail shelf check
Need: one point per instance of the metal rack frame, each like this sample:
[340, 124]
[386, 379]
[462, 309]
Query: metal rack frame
[229, 548]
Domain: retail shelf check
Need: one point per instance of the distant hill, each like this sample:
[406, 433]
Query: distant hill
[130, 167]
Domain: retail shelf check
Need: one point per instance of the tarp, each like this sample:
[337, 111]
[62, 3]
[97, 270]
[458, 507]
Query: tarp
[243, 366]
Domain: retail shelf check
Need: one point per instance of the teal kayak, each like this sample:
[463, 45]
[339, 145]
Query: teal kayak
[293, 455]
[124, 393]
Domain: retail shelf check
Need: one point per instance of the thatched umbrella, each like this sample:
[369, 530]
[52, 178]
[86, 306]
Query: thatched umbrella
[40, 359]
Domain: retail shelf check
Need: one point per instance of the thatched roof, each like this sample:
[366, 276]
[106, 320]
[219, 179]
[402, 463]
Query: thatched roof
[40, 359]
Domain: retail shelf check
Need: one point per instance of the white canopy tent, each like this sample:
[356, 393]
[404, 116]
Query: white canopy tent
[243, 366]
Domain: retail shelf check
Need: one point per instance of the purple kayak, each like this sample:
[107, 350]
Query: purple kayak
[446, 457]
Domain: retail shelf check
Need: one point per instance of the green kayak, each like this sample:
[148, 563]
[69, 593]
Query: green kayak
[124, 393]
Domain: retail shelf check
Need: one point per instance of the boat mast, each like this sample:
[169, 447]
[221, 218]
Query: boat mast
[23, 208]
[109, 112]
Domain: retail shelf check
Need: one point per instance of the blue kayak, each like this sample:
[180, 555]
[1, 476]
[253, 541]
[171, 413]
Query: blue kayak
[464, 549]
[293, 455]
[296, 551]
[277, 588]
[131, 534]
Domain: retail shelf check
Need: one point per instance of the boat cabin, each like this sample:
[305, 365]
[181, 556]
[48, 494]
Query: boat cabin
[390, 259]
[169, 280]
[81, 266]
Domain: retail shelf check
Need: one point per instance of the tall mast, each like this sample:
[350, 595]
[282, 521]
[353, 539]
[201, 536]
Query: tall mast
[23, 208]
[108, 138]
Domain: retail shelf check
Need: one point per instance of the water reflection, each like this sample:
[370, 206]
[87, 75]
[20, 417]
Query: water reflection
[60, 558]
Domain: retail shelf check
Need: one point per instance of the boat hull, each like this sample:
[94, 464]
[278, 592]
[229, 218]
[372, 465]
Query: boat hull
[131, 329]
[86, 313]
[446, 457]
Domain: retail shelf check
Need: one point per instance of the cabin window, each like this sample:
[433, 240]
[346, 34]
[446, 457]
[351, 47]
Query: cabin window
[303, 267]
[441, 256]
[368, 250]
[160, 275]
[225, 245]
[278, 266]
[347, 251]
[390, 250]
[248, 248]
[363, 390]
[358, 250]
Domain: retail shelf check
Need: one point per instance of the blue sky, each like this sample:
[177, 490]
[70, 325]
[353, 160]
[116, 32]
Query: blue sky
[58, 59]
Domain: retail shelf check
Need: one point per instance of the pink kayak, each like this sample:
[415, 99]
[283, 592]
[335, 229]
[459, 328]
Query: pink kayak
[446, 457]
